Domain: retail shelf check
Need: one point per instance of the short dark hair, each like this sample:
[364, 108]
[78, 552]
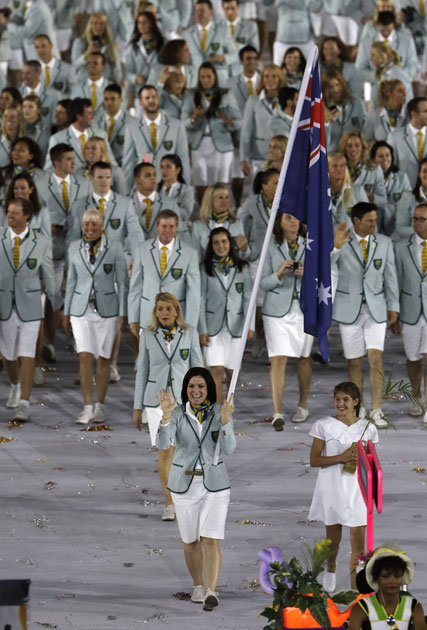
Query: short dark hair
[351, 389]
[26, 205]
[286, 94]
[246, 49]
[385, 18]
[98, 54]
[101, 165]
[44, 36]
[77, 108]
[394, 564]
[205, 374]
[167, 214]
[263, 177]
[362, 208]
[58, 151]
[147, 86]
[140, 167]
[113, 87]
[413, 104]
[208, 2]
[34, 64]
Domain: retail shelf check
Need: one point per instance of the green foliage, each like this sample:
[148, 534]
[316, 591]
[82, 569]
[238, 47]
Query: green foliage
[345, 597]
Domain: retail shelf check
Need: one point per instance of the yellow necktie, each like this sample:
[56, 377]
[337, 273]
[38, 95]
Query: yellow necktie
[110, 128]
[420, 145]
[101, 206]
[232, 30]
[363, 242]
[424, 257]
[93, 96]
[147, 212]
[16, 252]
[153, 133]
[250, 87]
[422, 8]
[83, 143]
[163, 260]
[47, 75]
[25, 8]
[203, 40]
[32, 93]
[65, 197]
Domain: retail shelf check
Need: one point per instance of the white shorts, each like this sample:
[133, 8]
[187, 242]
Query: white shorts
[18, 338]
[200, 512]
[94, 334]
[209, 166]
[415, 339]
[364, 334]
[222, 350]
[152, 416]
[17, 60]
[285, 336]
[63, 37]
[279, 49]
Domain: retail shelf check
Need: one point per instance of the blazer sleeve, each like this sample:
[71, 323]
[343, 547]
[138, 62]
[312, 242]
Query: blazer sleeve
[167, 432]
[227, 438]
[49, 277]
[71, 284]
[391, 286]
[196, 359]
[142, 371]
[269, 279]
[122, 279]
[192, 304]
[202, 325]
[135, 288]
[247, 292]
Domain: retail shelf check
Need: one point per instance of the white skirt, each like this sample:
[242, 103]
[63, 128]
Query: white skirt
[94, 334]
[200, 512]
[222, 350]
[285, 336]
[209, 166]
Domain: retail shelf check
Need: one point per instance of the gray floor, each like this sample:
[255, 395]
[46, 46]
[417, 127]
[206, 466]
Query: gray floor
[80, 510]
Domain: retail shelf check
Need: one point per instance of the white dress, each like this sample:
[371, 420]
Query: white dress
[337, 498]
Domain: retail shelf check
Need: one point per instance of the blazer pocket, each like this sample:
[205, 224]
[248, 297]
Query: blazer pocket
[345, 292]
[379, 292]
[178, 465]
[33, 291]
[110, 293]
[405, 292]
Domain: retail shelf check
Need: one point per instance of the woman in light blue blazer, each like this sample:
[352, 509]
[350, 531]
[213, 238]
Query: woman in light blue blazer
[397, 187]
[390, 113]
[202, 433]
[215, 211]
[332, 55]
[172, 185]
[33, 126]
[344, 195]
[293, 66]
[167, 349]
[22, 186]
[387, 66]
[175, 56]
[173, 94]
[226, 287]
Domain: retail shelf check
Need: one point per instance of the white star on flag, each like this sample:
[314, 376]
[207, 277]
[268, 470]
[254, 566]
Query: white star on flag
[323, 294]
[308, 241]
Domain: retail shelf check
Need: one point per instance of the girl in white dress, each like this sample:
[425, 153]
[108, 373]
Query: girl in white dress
[337, 499]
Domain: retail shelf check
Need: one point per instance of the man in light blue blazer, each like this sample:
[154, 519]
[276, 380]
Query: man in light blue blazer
[93, 87]
[25, 257]
[115, 120]
[409, 146]
[32, 19]
[411, 265]
[152, 137]
[281, 122]
[243, 32]
[56, 74]
[180, 275]
[245, 83]
[367, 297]
[210, 41]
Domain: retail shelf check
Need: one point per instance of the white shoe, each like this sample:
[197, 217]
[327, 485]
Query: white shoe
[258, 348]
[114, 374]
[39, 378]
[362, 412]
[329, 582]
[377, 416]
[278, 421]
[86, 415]
[415, 409]
[211, 600]
[425, 420]
[300, 415]
[168, 513]
[99, 415]
[198, 594]
[14, 396]
[22, 413]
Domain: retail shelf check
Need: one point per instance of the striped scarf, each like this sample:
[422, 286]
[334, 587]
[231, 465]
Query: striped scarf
[93, 248]
[293, 249]
[201, 411]
[220, 217]
[355, 171]
[168, 333]
[30, 169]
[224, 264]
[393, 115]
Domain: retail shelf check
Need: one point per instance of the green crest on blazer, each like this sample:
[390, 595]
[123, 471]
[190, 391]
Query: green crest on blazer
[396, 196]
[241, 40]
[115, 223]
[120, 139]
[368, 187]
[31, 263]
[108, 268]
[354, 121]
[176, 274]
[377, 263]
[239, 287]
[215, 45]
[16, 4]
[58, 85]
[215, 435]
[184, 353]
[168, 144]
[45, 111]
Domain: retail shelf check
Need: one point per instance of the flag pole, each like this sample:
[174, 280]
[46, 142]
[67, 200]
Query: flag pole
[269, 231]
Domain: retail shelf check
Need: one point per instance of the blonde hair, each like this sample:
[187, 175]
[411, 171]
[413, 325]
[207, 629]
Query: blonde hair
[18, 110]
[342, 147]
[386, 53]
[279, 73]
[206, 207]
[107, 38]
[93, 213]
[347, 195]
[101, 142]
[171, 299]
[385, 88]
[329, 76]
[283, 142]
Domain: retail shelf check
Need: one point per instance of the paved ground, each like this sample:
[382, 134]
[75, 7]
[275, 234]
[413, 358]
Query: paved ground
[80, 510]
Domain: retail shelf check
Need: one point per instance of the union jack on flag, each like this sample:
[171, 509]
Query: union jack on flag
[306, 195]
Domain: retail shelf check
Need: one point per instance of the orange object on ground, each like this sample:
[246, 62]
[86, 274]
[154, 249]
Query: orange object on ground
[294, 619]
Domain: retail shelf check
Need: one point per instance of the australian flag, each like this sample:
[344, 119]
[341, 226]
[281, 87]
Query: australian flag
[306, 195]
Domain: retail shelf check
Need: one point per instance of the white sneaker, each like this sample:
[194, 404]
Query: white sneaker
[329, 582]
[39, 378]
[300, 415]
[425, 419]
[99, 415]
[415, 409]
[22, 413]
[14, 396]
[377, 416]
[114, 374]
[278, 421]
[168, 513]
[86, 415]
[211, 600]
[198, 594]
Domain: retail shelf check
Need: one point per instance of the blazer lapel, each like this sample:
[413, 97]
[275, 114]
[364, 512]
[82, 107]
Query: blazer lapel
[163, 129]
[53, 191]
[372, 248]
[206, 425]
[109, 210]
[413, 252]
[357, 250]
[83, 257]
[162, 344]
[175, 342]
[410, 143]
[7, 246]
[173, 258]
[27, 248]
[156, 258]
[100, 256]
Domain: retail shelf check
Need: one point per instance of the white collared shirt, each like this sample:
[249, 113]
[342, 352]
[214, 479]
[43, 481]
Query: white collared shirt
[169, 249]
[415, 133]
[14, 235]
[59, 181]
[156, 121]
[49, 65]
[116, 117]
[98, 83]
[36, 90]
[207, 27]
[78, 133]
[366, 238]
[191, 415]
[141, 198]
[172, 189]
[98, 197]
[235, 24]
[419, 244]
[254, 79]
[390, 39]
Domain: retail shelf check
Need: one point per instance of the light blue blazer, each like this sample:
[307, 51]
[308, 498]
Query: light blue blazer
[239, 88]
[405, 152]
[83, 89]
[21, 288]
[378, 127]
[412, 281]
[255, 216]
[353, 116]
[68, 137]
[161, 202]
[399, 196]
[293, 22]
[183, 195]
[78, 49]
[159, 368]
[403, 44]
[49, 99]
[404, 210]
[372, 180]
[218, 42]
[174, 13]
[245, 33]
[138, 61]
[202, 230]
[106, 280]
[61, 79]
[192, 450]
[376, 283]
[255, 129]
[341, 212]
